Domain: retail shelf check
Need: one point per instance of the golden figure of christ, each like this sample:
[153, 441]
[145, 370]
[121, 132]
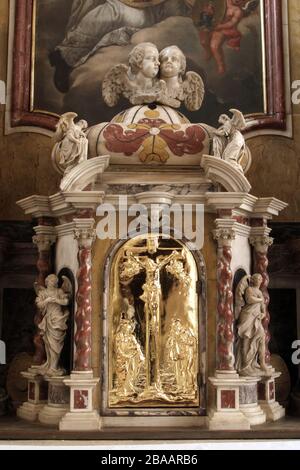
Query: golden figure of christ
[152, 298]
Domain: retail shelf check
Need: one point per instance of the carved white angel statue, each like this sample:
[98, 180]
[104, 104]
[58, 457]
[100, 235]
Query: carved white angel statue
[52, 302]
[140, 82]
[228, 141]
[250, 312]
[71, 147]
[137, 82]
[180, 86]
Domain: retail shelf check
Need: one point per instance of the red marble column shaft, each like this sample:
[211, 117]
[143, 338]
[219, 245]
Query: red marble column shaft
[83, 318]
[261, 263]
[225, 318]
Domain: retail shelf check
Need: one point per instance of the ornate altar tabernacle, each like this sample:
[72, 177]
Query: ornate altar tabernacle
[154, 218]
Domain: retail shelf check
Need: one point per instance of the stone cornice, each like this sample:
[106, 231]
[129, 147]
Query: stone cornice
[268, 207]
[65, 229]
[36, 206]
[219, 201]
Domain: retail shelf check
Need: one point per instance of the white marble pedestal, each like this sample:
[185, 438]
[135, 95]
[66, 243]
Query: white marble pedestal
[267, 398]
[58, 401]
[226, 414]
[249, 401]
[82, 416]
[37, 396]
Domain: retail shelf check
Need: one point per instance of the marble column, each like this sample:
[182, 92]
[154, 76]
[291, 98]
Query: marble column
[45, 237]
[225, 316]
[261, 244]
[37, 387]
[261, 241]
[82, 415]
[83, 316]
[226, 413]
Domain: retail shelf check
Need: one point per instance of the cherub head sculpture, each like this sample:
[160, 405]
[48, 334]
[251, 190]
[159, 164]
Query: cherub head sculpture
[172, 62]
[139, 82]
[144, 59]
[51, 281]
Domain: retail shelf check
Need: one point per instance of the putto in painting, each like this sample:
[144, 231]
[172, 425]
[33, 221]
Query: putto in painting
[221, 39]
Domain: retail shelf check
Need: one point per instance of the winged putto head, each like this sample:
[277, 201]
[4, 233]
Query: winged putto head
[153, 77]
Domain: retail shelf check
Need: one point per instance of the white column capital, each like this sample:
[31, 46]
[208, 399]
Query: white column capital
[261, 243]
[44, 238]
[225, 233]
[84, 232]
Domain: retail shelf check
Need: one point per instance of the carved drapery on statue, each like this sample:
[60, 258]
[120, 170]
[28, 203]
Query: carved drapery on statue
[154, 348]
[250, 311]
[52, 302]
[43, 240]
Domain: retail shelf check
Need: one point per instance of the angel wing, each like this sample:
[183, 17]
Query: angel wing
[65, 122]
[114, 84]
[238, 120]
[239, 295]
[193, 89]
[67, 285]
[38, 288]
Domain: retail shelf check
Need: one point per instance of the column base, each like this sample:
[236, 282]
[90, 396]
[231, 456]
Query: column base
[82, 416]
[87, 421]
[267, 398]
[273, 411]
[227, 421]
[58, 401]
[51, 416]
[254, 414]
[37, 396]
[226, 413]
[249, 401]
[29, 411]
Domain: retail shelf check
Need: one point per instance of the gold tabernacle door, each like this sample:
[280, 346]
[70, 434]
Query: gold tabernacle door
[153, 325]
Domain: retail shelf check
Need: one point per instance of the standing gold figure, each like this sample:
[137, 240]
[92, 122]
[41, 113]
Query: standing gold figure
[181, 346]
[129, 359]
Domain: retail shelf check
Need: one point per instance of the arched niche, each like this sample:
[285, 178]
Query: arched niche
[67, 355]
[186, 310]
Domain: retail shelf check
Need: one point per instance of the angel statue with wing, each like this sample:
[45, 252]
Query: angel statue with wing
[71, 143]
[52, 302]
[250, 311]
[228, 141]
